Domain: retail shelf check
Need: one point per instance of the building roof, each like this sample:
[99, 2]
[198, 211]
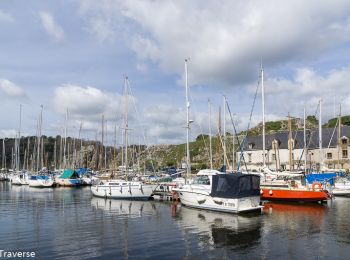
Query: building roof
[312, 137]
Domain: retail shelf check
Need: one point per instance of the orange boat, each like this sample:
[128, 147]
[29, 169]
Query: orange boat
[315, 194]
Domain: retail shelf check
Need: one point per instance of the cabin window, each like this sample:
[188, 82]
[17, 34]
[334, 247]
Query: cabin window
[244, 184]
[344, 141]
[204, 180]
[345, 153]
[273, 157]
[329, 155]
[249, 157]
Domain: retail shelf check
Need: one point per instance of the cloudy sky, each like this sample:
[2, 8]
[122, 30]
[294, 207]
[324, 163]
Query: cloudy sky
[73, 54]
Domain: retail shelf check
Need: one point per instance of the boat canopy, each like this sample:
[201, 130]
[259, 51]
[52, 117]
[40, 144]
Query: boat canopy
[39, 177]
[235, 185]
[69, 174]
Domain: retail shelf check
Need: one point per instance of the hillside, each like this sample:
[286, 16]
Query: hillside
[156, 156]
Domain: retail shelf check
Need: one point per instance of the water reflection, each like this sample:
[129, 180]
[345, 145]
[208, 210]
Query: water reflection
[296, 219]
[217, 229]
[126, 208]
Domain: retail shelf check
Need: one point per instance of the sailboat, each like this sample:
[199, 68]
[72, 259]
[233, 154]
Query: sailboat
[290, 188]
[217, 191]
[124, 189]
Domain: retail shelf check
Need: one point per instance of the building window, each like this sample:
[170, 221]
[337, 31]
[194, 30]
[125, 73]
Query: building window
[273, 157]
[345, 153]
[329, 155]
[344, 141]
[249, 157]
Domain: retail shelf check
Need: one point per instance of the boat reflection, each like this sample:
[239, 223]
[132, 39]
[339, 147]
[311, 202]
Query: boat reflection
[294, 208]
[220, 229]
[296, 220]
[124, 207]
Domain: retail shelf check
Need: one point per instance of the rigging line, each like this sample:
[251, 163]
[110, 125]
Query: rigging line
[222, 144]
[250, 119]
[139, 121]
[236, 135]
[335, 127]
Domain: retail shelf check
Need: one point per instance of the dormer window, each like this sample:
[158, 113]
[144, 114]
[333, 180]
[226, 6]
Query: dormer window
[344, 140]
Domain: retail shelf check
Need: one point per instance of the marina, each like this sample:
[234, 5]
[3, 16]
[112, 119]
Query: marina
[63, 223]
[147, 129]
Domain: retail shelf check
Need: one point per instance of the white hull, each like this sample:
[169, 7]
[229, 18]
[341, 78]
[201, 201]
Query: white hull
[41, 183]
[203, 200]
[341, 192]
[19, 181]
[124, 190]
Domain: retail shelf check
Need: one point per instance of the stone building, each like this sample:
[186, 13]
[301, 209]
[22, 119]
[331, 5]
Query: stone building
[335, 151]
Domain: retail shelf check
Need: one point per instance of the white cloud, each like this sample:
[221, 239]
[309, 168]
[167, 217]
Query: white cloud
[10, 89]
[51, 27]
[8, 133]
[5, 17]
[224, 39]
[305, 88]
[87, 102]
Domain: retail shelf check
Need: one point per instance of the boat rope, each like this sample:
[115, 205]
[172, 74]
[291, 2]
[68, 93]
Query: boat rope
[248, 127]
[236, 135]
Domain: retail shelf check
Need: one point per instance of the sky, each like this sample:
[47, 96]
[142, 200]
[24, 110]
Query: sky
[73, 55]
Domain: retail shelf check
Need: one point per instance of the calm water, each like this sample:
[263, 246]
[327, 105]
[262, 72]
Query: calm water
[64, 223]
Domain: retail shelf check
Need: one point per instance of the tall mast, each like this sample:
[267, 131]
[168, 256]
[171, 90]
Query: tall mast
[290, 142]
[320, 136]
[305, 148]
[188, 161]
[65, 141]
[38, 163]
[18, 162]
[210, 145]
[224, 141]
[3, 153]
[126, 124]
[102, 141]
[105, 147]
[263, 113]
[339, 135]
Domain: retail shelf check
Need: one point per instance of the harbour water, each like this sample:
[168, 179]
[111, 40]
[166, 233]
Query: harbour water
[66, 223]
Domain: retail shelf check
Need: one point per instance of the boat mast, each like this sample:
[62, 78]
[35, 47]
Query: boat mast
[187, 124]
[210, 145]
[305, 148]
[18, 161]
[339, 134]
[224, 141]
[263, 113]
[3, 154]
[65, 141]
[39, 140]
[290, 143]
[126, 125]
[320, 137]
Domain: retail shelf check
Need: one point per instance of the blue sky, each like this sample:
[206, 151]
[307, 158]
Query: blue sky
[73, 54]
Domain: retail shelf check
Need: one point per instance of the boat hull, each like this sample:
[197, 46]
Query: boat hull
[294, 195]
[41, 183]
[68, 182]
[133, 191]
[205, 201]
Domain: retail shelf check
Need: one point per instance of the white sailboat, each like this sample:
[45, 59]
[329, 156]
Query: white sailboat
[40, 181]
[124, 189]
[214, 190]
